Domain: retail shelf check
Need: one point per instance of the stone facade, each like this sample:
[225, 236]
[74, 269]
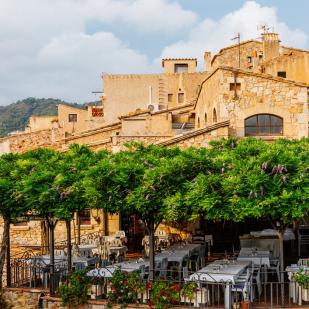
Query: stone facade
[257, 94]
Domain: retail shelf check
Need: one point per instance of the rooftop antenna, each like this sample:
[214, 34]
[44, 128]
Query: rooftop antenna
[95, 93]
[264, 27]
[238, 40]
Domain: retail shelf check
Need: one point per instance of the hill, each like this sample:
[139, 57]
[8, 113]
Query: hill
[14, 117]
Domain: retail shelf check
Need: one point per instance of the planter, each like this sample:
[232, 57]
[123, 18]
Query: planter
[245, 304]
[305, 294]
[95, 290]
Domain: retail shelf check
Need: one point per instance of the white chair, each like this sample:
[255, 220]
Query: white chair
[243, 284]
[275, 267]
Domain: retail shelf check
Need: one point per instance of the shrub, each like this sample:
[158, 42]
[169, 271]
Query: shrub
[75, 292]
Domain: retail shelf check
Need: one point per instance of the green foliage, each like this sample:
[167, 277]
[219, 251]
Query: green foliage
[189, 290]
[75, 292]
[125, 288]
[302, 278]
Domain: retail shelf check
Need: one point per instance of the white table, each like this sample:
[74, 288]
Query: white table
[221, 272]
[293, 286]
[107, 272]
[259, 257]
[87, 250]
[44, 260]
[118, 250]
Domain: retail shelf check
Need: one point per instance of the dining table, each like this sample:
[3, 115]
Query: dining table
[107, 271]
[224, 272]
[257, 257]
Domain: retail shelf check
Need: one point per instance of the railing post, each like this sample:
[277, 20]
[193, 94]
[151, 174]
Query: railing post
[8, 255]
[52, 257]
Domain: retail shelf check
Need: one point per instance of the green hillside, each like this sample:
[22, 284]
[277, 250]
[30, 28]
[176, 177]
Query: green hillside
[15, 116]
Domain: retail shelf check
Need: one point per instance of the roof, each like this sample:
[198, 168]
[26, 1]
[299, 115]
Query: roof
[178, 59]
[143, 112]
[249, 73]
[233, 46]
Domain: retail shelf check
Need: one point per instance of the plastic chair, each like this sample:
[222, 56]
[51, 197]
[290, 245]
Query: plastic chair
[275, 267]
[194, 262]
[242, 285]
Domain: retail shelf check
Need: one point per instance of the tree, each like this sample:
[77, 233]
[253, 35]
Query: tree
[141, 180]
[12, 168]
[254, 180]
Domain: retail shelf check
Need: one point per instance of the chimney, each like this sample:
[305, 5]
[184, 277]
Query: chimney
[207, 61]
[271, 45]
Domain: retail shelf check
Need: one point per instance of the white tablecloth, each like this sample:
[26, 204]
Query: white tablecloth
[219, 271]
[118, 250]
[107, 272]
[257, 257]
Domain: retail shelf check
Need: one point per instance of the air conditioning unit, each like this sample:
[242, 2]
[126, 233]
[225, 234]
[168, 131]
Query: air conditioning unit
[152, 107]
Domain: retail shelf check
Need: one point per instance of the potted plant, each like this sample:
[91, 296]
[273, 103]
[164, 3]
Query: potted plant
[302, 278]
[246, 304]
[188, 292]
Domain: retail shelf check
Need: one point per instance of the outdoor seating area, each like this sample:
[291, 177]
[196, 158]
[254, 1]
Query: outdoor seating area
[222, 279]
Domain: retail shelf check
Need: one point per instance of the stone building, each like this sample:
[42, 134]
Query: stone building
[255, 88]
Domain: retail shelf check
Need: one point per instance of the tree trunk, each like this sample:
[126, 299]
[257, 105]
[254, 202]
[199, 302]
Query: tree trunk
[78, 228]
[52, 257]
[151, 230]
[4, 248]
[44, 237]
[69, 245]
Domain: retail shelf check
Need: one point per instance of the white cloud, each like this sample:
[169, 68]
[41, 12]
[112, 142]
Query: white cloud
[45, 50]
[212, 35]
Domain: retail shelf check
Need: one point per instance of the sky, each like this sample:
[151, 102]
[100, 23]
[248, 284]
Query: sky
[60, 48]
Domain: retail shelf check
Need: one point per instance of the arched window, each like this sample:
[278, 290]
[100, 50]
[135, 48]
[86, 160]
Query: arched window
[205, 119]
[214, 116]
[264, 124]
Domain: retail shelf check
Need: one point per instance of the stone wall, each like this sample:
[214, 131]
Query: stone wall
[229, 56]
[257, 94]
[28, 141]
[22, 298]
[95, 135]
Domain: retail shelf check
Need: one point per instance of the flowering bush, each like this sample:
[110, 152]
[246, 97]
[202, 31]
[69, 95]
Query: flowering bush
[125, 288]
[164, 294]
[75, 292]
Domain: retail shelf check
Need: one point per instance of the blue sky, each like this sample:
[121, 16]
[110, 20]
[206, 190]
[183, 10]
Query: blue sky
[59, 48]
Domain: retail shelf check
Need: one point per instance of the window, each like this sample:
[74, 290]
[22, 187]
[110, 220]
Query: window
[181, 68]
[72, 117]
[214, 116]
[205, 118]
[264, 124]
[181, 97]
[170, 97]
[198, 122]
[84, 217]
[249, 59]
[96, 112]
[232, 86]
[281, 74]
